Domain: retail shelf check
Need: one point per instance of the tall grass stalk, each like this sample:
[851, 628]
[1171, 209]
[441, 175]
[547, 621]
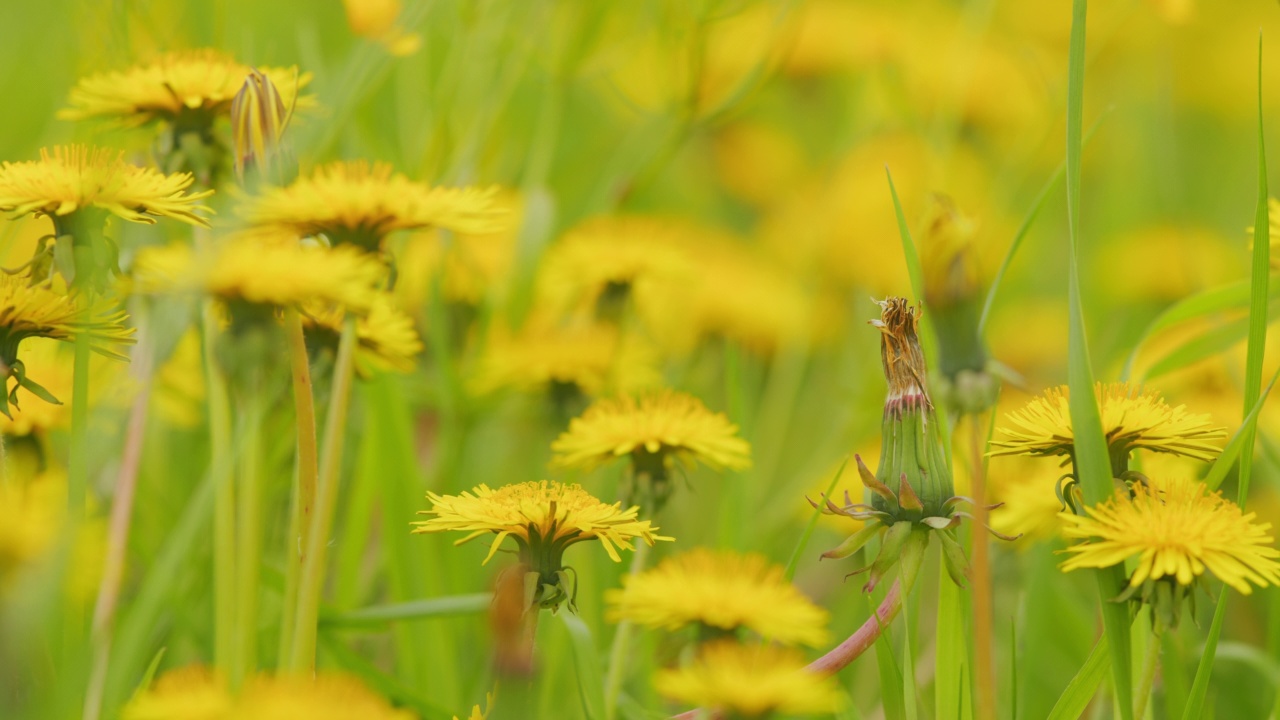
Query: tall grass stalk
[224, 497]
[980, 576]
[307, 469]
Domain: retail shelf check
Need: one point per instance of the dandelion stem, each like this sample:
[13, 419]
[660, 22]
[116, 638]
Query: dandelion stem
[224, 506]
[618, 651]
[980, 569]
[308, 467]
[302, 658]
[1150, 664]
[862, 638]
[248, 526]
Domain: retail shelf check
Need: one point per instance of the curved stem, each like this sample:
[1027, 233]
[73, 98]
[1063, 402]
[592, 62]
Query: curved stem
[844, 653]
[308, 469]
[302, 657]
[980, 577]
[621, 644]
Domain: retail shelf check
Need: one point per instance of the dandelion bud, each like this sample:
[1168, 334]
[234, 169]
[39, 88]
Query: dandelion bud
[259, 117]
[953, 292]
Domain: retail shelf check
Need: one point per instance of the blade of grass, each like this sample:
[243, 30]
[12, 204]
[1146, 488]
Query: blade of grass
[909, 663]
[1092, 463]
[587, 662]
[379, 615]
[953, 646]
[890, 675]
[1218, 471]
[1075, 699]
[790, 571]
[1254, 355]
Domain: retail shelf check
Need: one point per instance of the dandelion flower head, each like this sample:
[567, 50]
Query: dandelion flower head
[720, 589]
[750, 681]
[386, 340]
[193, 692]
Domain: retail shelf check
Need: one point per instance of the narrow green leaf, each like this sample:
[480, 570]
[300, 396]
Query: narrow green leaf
[1073, 701]
[910, 706]
[908, 245]
[1261, 276]
[1200, 686]
[1092, 463]
[953, 643]
[378, 615]
[1206, 344]
[1218, 471]
[790, 571]
[587, 662]
[890, 675]
[1013, 668]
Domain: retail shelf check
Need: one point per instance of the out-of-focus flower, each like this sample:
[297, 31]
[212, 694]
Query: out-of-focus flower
[477, 713]
[179, 390]
[723, 591]
[246, 270]
[543, 518]
[385, 338]
[758, 162]
[750, 681]
[33, 512]
[188, 693]
[359, 203]
[376, 20]
[259, 117]
[1176, 529]
[37, 415]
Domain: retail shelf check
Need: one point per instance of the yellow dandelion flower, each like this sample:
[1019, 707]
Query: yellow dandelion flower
[594, 357]
[329, 696]
[376, 20]
[55, 369]
[537, 512]
[386, 340]
[188, 693]
[262, 273]
[176, 84]
[720, 589]
[1130, 419]
[359, 203]
[1176, 529]
[661, 425]
[750, 681]
[74, 177]
[179, 390]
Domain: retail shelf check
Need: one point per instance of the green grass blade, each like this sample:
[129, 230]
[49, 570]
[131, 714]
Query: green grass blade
[908, 245]
[378, 615]
[1218, 471]
[587, 662]
[1092, 463]
[790, 571]
[1200, 686]
[1075, 699]
[890, 675]
[1260, 277]
[953, 646]
[910, 706]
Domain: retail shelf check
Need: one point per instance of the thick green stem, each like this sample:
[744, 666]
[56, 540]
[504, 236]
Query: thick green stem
[302, 657]
[980, 568]
[304, 496]
[618, 652]
[224, 505]
[249, 529]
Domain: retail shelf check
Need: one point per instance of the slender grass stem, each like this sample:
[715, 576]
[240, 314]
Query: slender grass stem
[980, 567]
[224, 505]
[302, 657]
[248, 527]
[618, 651]
[104, 610]
[304, 497]
[1149, 666]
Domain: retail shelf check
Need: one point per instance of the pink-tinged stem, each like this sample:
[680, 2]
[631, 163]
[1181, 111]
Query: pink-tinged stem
[844, 653]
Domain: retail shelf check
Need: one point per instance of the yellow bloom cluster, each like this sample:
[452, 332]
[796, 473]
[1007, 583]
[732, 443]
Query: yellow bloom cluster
[750, 681]
[386, 340]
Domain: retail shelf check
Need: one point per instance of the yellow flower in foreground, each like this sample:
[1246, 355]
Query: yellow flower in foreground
[175, 84]
[1176, 530]
[544, 518]
[376, 20]
[386, 340]
[79, 176]
[355, 202]
[657, 427]
[188, 693]
[54, 365]
[263, 273]
[1130, 420]
[750, 681]
[720, 589]
[477, 713]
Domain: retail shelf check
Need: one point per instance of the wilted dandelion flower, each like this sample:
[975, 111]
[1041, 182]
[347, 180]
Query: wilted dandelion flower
[259, 117]
[544, 518]
[722, 591]
[359, 203]
[750, 681]
[248, 270]
[174, 86]
[1130, 420]
[386, 340]
[1176, 530]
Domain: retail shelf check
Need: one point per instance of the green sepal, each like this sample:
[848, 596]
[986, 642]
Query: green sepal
[854, 542]
[890, 551]
[20, 374]
[907, 497]
[953, 558]
[912, 556]
[872, 483]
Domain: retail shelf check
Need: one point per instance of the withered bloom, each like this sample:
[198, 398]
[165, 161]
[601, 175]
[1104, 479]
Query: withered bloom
[911, 494]
[259, 117]
[953, 292]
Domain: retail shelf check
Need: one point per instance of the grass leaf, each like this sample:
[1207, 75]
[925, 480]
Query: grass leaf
[587, 662]
[1200, 686]
[1075, 699]
[378, 615]
[890, 675]
[790, 571]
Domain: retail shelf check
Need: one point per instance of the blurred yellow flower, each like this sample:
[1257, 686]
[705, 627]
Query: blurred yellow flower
[32, 514]
[262, 273]
[74, 177]
[661, 426]
[179, 390]
[376, 20]
[750, 681]
[536, 514]
[188, 693]
[723, 590]
[386, 340]
[328, 696]
[358, 203]
[55, 370]
[175, 84]
[1175, 529]
[1130, 419]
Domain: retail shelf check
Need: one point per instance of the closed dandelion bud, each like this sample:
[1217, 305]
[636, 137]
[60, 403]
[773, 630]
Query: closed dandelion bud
[259, 117]
[953, 292]
[912, 496]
